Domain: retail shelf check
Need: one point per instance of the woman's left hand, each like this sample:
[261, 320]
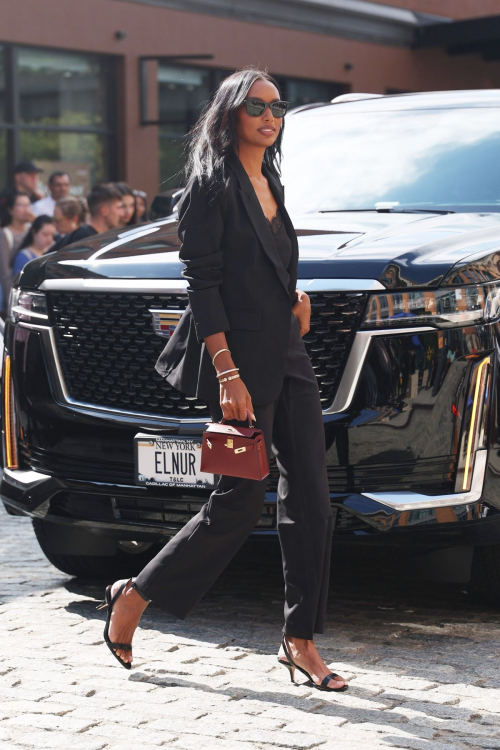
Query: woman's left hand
[302, 311]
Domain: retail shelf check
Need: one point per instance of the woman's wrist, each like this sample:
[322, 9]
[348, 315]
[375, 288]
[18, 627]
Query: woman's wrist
[223, 362]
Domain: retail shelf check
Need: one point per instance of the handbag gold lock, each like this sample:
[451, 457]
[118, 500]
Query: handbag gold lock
[239, 450]
[229, 443]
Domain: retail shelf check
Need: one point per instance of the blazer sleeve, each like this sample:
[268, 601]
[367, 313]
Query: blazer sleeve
[200, 231]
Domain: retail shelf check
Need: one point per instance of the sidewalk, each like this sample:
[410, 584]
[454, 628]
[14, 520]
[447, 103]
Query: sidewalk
[422, 661]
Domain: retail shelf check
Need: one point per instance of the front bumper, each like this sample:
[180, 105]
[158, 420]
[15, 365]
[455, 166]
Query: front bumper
[146, 514]
[394, 446]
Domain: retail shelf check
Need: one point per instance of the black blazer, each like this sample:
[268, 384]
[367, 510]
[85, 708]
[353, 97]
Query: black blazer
[237, 284]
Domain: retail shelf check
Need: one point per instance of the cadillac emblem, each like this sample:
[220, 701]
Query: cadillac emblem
[165, 321]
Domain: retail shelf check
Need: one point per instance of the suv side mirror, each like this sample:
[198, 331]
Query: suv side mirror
[164, 203]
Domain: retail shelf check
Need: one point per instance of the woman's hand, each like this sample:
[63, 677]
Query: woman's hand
[235, 400]
[302, 311]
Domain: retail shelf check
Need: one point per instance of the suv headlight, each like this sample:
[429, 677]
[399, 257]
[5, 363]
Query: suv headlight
[28, 306]
[442, 308]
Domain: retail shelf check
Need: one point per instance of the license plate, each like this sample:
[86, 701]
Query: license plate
[170, 462]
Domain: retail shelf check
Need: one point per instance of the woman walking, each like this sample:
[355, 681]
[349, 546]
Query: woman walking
[239, 346]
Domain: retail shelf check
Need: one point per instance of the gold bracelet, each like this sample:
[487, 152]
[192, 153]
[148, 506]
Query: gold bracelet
[216, 353]
[224, 372]
[231, 378]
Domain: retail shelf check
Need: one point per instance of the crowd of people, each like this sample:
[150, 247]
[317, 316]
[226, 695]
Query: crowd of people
[32, 223]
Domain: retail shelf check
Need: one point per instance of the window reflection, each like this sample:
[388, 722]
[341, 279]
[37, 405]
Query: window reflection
[171, 162]
[82, 155]
[182, 92]
[299, 91]
[58, 88]
[62, 121]
[442, 158]
[3, 133]
[2, 85]
[3, 157]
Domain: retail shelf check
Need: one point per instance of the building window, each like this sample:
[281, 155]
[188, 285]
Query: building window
[3, 132]
[3, 159]
[300, 91]
[182, 93]
[184, 90]
[58, 111]
[2, 84]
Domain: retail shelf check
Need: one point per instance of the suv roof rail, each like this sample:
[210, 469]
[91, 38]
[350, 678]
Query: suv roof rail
[353, 97]
[303, 107]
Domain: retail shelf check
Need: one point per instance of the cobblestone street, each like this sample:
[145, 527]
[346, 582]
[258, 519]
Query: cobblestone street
[422, 661]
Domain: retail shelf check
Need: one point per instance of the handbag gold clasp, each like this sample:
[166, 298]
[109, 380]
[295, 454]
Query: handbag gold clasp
[239, 450]
[209, 443]
[229, 443]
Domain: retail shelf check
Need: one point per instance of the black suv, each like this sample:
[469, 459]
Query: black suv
[396, 203]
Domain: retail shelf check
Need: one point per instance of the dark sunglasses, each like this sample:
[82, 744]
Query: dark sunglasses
[256, 107]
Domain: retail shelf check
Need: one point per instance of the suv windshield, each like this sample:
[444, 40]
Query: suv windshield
[413, 159]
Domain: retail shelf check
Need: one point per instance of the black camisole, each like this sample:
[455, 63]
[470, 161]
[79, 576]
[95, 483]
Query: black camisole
[281, 239]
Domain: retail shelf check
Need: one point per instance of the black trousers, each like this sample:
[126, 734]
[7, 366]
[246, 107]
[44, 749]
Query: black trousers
[190, 562]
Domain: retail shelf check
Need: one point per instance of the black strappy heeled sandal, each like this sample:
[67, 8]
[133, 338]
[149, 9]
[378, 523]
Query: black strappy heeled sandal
[291, 666]
[109, 602]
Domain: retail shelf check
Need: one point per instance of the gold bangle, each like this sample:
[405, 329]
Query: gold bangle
[224, 380]
[216, 353]
[224, 372]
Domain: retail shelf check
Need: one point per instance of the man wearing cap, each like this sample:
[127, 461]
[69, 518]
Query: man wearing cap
[25, 181]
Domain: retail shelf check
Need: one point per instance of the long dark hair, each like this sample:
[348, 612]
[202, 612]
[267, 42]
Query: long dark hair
[7, 203]
[144, 196]
[127, 190]
[38, 224]
[215, 134]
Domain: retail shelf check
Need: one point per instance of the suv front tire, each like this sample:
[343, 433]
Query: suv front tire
[128, 561]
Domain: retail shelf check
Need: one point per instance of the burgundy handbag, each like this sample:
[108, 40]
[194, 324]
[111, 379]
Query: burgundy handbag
[234, 451]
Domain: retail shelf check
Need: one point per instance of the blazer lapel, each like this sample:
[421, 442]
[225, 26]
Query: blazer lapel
[256, 214]
[279, 195]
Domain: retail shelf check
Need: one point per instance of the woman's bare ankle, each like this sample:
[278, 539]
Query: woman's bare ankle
[135, 601]
[130, 599]
[302, 645]
[138, 602]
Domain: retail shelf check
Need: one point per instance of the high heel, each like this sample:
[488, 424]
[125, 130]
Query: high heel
[292, 666]
[109, 602]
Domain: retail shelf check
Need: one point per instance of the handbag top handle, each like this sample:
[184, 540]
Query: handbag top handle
[249, 420]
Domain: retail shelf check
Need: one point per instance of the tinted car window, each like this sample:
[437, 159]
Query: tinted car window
[429, 158]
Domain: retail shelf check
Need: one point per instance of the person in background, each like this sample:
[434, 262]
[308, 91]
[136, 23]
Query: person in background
[15, 216]
[141, 206]
[39, 238]
[59, 185]
[25, 181]
[106, 211]
[69, 214]
[129, 205]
